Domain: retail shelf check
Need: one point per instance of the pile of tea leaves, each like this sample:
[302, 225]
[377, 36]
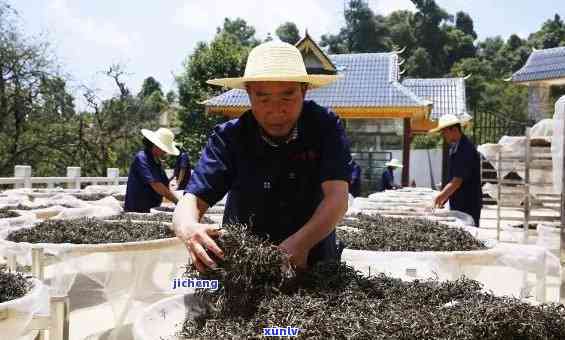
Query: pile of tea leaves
[8, 213]
[88, 230]
[334, 301]
[167, 208]
[379, 233]
[120, 197]
[90, 197]
[36, 207]
[12, 285]
[158, 217]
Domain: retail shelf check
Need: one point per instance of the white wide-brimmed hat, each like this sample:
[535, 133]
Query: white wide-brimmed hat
[395, 163]
[163, 138]
[450, 120]
[275, 61]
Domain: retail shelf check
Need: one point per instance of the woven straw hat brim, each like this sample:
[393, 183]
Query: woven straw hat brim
[313, 80]
[443, 126]
[154, 138]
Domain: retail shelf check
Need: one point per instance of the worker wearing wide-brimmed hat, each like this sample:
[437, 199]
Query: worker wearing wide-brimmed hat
[464, 187]
[284, 164]
[387, 179]
[147, 181]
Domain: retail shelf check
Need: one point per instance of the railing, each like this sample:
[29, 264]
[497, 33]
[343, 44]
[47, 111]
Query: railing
[23, 179]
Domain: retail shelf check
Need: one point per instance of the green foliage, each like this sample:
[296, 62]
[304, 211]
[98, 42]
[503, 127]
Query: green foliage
[150, 86]
[427, 141]
[364, 31]
[224, 56]
[288, 32]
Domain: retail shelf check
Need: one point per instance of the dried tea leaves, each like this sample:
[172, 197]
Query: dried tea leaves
[90, 197]
[12, 285]
[332, 300]
[169, 209]
[8, 213]
[379, 233]
[251, 270]
[90, 231]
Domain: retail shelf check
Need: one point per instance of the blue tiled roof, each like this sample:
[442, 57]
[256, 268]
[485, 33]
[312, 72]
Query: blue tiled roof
[446, 94]
[370, 80]
[545, 64]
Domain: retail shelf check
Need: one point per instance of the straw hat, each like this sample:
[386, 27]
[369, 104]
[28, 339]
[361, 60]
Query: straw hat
[450, 120]
[395, 163]
[275, 61]
[163, 139]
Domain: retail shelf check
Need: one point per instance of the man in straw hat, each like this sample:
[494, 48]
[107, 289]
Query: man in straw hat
[464, 187]
[387, 179]
[147, 181]
[284, 163]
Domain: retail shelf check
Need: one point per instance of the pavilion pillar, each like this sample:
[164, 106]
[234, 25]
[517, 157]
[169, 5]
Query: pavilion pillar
[406, 152]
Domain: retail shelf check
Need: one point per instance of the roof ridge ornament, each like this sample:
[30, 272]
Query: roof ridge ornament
[399, 51]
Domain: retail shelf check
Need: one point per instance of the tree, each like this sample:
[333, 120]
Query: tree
[238, 27]
[172, 97]
[288, 32]
[224, 56]
[551, 34]
[464, 23]
[149, 86]
[401, 31]
[458, 45]
[429, 33]
[419, 64]
[364, 31]
[36, 109]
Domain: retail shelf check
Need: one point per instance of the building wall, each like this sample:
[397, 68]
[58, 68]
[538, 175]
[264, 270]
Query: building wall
[539, 102]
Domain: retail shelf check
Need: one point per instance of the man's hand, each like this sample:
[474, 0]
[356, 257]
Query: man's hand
[449, 190]
[198, 238]
[173, 185]
[298, 255]
[440, 200]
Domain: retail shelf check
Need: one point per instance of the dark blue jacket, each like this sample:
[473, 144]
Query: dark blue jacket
[275, 190]
[140, 196]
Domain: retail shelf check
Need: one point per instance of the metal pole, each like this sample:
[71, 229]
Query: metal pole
[559, 106]
[498, 193]
[527, 160]
[37, 263]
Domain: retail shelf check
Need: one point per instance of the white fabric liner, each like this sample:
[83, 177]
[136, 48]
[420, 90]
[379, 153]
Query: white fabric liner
[511, 146]
[128, 276]
[19, 312]
[163, 319]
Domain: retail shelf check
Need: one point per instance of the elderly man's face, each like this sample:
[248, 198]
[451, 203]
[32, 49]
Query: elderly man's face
[450, 134]
[276, 105]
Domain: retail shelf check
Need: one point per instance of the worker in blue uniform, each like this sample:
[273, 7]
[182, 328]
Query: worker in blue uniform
[284, 165]
[147, 181]
[463, 189]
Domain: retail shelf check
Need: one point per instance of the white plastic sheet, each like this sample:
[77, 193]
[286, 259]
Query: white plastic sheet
[163, 319]
[472, 264]
[543, 130]
[125, 275]
[16, 315]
